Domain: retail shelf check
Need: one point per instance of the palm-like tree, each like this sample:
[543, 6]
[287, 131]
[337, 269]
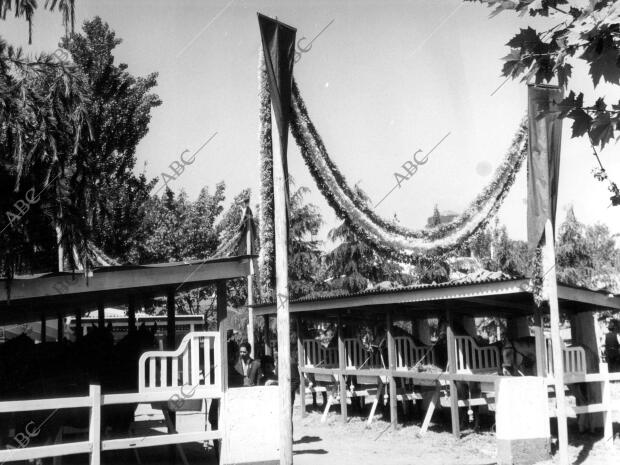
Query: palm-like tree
[26, 8]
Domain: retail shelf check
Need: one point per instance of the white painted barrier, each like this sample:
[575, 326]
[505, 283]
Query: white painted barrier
[319, 356]
[408, 354]
[471, 358]
[574, 359]
[208, 386]
[193, 363]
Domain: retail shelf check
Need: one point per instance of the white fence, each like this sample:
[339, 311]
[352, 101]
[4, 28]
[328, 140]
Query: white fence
[197, 358]
[574, 359]
[319, 356]
[471, 358]
[408, 354]
[206, 376]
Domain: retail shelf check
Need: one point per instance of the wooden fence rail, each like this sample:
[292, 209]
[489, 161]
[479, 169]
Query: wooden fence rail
[95, 444]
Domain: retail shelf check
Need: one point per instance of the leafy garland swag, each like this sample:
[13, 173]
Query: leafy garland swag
[391, 240]
[266, 257]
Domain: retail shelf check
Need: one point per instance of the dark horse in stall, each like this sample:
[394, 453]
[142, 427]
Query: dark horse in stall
[65, 369]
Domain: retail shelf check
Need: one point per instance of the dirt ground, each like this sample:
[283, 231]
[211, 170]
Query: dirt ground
[337, 443]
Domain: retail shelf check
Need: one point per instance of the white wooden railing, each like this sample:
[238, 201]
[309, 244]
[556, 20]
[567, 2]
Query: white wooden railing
[471, 358]
[357, 357]
[408, 354]
[574, 359]
[207, 386]
[319, 356]
[194, 363]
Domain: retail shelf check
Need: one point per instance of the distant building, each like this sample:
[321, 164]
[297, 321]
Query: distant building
[440, 218]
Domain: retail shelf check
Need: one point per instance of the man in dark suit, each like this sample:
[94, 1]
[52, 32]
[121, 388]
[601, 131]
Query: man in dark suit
[246, 366]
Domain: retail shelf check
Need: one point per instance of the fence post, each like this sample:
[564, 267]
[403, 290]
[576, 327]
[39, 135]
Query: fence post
[608, 431]
[94, 436]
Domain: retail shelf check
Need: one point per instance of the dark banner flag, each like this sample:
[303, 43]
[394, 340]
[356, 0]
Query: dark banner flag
[279, 48]
[543, 162]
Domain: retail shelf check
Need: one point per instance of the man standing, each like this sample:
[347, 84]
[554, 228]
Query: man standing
[246, 366]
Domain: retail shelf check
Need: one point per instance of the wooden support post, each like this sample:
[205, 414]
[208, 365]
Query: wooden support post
[94, 435]
[342, 365]
[170, 320]
[454, 398]
[608, 430]
[222, 327]
[43, 328]
[280, 202]
[392, 366]
[79, 331]
[540, 343]
[301, 363]
[266, 335]
[171, 345]
[250, 280]
[431, 409]
[550, 283]
[131, 314]
[100, 315]
[60, 326]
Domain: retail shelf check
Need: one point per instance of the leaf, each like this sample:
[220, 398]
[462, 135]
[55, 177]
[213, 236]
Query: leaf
[603, 55]
[527, 39]
[602, 130]
[581, 122]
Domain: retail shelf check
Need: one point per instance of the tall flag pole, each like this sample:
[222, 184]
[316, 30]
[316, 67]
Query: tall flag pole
[278, 41]
[545, 134]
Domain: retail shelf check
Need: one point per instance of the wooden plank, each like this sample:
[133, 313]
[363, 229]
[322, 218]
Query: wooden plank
[152, 372]
[151, 277]
[222, 326]
[175, 371]
[608, 429]
[208, 369]
[160, 440]
[550, 283]
[159, 395]
[341, 378]
[195, 361]
[44, 404]
[266, 335]
[429, 412]
[56, 450]
[392, 366]
[185, 361]
[100, 315]
[378, 397]
[301, 358]
[454, 408]
[94, 434]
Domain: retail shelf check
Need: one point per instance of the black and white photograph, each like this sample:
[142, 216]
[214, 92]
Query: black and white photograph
[309, 232]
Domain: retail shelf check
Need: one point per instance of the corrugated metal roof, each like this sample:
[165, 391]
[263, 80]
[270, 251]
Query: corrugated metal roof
[395, 290]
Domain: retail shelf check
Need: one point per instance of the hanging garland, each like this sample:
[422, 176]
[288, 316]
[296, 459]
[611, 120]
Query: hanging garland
[266, 257]
[389, 239]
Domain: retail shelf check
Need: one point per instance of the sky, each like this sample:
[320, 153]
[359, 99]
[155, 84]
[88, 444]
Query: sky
[384, 79]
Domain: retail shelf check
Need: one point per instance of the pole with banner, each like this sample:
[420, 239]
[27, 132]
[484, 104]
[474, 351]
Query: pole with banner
[545, 134]
[278, 42]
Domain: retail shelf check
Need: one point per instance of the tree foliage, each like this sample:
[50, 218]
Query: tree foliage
[587, 31]
[587, 255]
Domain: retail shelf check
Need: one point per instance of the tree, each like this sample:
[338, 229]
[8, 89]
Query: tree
[304, 254]
[43, 114]
[586, 255]
[589, 32]
[26, 8]
[119, 111]
[353, 265]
